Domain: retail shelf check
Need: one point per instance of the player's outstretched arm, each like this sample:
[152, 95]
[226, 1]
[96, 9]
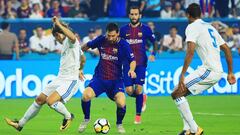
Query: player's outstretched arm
[65, 30]
[82, 63]
[231, 78]
[187, 61]
[84, 47]
[154, 51]
[131, 71]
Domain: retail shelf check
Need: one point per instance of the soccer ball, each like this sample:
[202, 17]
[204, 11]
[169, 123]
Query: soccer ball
[101, 126]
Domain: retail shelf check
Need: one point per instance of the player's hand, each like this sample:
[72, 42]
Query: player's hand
[81, 75]
[181, 85]
[132, 74]
[231, 78]
[151, 58]
[55, 20]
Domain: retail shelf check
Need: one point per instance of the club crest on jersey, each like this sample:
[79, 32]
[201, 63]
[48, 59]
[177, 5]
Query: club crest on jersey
[115, 50]
[140, 34]
[127, 35]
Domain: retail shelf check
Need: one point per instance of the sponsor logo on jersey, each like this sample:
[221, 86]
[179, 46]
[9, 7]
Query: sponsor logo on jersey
[132, 55]
[140, 34]
[108, 57]
[153, 36]
[134, 41]
[115, 50]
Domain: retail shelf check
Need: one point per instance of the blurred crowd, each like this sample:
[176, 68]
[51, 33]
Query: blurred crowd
[42, 42]
[173, 42]
[94, 9]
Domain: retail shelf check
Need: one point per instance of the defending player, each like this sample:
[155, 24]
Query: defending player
[108, 73]
[137, 34]
[207, 42]
[61, 89]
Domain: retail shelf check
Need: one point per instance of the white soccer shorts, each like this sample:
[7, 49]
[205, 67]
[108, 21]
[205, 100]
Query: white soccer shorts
[201, 79]
[65, 88]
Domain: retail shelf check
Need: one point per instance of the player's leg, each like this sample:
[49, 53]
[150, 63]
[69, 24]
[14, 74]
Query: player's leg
[116, 93]
[132, 91]
[63, 93]
[88, 94]
[144, 106]
[139, 81]
[35, 107]
[54, 102]
[185, 111]
[176, 93]
[31, 112]
[139, 103]
[94, 89]
[196, 82]
[121, 110]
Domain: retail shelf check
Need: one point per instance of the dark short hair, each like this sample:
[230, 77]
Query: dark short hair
[134, 7]
[112, 27]
[98, 27]
[174, 27]
[194, 10]
[5, 25]
[39, 27]
[22, 29]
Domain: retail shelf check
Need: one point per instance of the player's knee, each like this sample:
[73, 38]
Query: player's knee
[176, 94]
[138, 91]
[173, 95]
[39, 100]
[50, 101]
[86, 96]
[121, 103]
[129, 91]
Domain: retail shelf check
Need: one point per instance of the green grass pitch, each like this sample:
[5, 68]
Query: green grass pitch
[218, 115]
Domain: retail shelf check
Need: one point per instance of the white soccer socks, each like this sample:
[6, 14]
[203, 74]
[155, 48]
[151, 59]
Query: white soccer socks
[60, 108]
[183, 107]
[31, 112]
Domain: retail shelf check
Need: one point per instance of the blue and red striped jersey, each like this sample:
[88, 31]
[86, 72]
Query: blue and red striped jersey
[137, 38]
[112, 57]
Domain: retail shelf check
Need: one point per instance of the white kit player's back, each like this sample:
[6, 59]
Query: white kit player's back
[208, 42]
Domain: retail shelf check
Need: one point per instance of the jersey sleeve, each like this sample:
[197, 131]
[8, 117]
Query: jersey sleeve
[96, 42]
[128, 52]
[150, 35]
[219, 39]
[191, 34]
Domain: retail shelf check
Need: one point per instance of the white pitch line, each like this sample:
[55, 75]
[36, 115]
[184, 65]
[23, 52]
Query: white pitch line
[216, 114]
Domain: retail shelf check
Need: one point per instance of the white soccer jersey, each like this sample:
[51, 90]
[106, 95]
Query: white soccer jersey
[70, 60]
[208, 42]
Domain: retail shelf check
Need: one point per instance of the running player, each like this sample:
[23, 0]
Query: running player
[61, 89]
[206, 40]
[137, 35]
[108, 73]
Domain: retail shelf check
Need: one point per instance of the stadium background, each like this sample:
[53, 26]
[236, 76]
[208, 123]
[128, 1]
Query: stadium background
[22, 80]
[26, 77]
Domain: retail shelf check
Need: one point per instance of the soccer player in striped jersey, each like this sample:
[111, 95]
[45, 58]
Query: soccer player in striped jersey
[114, 51]
[207, 42]
[137, 35]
